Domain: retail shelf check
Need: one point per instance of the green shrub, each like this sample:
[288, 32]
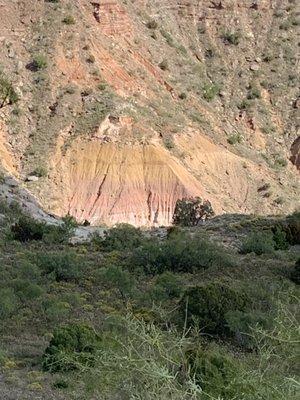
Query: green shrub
[71, 346]
[39, 171]
[25, 290]
[167, 286]
[253, 93]
[116, 277]
[8, 95]
[28, 271]
[207, 305]
[191, 211]
[210, 91]
[39, 62]
[62, 266]
[292, 228]
[232, 38]
[56, 311]
[215, 372]
[8, 302]
[69, 20]
[122, 237]
[180, 253]
[280, 238]
[240, 324]
[295, 275]
[27, 229]
[235, 138]
[258, 243]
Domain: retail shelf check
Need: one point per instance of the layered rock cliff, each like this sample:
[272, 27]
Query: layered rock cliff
[124, 107]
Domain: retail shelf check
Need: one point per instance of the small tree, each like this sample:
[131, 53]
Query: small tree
[190, 211]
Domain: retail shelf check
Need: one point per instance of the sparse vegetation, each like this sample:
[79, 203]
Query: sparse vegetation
[232, 38]
[8, 95]
[69, 20]
[235, 138]
[210, 91]
[39, 62]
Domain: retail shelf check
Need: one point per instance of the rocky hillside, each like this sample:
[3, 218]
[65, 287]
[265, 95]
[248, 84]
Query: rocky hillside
[112, 110]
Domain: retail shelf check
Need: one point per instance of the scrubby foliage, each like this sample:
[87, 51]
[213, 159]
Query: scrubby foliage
[27, 229]
[71, 347]
[207, 306]
[295, 275]
[190, 211]
[149, 314]
[258, 243]
[8, 95]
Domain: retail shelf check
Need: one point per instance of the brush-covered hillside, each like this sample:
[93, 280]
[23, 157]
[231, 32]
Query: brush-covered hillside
[112, 110]
[203, 313]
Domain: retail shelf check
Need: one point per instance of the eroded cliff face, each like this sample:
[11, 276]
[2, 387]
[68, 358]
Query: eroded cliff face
[137, 104]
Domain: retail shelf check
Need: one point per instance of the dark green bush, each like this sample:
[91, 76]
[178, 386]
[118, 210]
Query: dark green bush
[27, 229]
[8, 302]
[26, 290]
[71, 346]
[208, 305]
[180, 253]
[258, 243]
[122, 280]
[167, 286]
[295, 275]
[215, 372]
[191, 211]
[292, 228]
[240, 324]
[62, 266]
[280, 238]
[123, 237]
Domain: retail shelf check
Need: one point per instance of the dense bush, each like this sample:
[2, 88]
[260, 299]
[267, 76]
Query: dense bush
[215, 372]
[180, 253]
[115, 276]
[280, 238]
[207, 305]
[122, 237]
[167, 286]
[71, 346]
[295, 275]
[258, 243]
[62, 266]
[190, 211]
[27, 229]
[26, 290]
[292, 228]
[8, 302]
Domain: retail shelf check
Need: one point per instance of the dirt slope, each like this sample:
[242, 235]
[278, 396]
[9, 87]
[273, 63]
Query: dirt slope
[124, 107]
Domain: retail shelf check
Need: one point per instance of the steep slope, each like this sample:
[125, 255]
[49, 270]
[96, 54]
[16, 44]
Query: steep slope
[126, 107]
